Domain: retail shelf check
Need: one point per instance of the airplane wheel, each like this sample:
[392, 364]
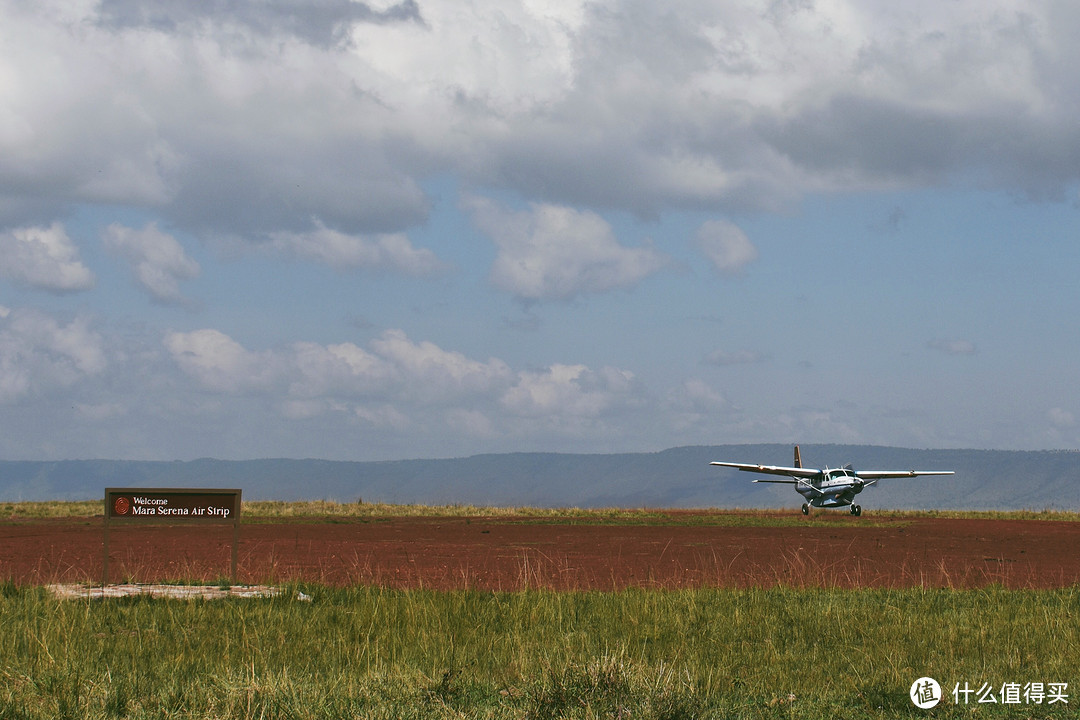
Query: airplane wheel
[805, 509]
[856, 510]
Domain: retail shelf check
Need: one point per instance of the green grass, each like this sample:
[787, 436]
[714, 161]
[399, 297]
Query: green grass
[369, 652]
[51, 509]
[378, 653]
[259, 510]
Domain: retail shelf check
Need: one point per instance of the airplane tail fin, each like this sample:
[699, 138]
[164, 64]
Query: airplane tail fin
[798, 460]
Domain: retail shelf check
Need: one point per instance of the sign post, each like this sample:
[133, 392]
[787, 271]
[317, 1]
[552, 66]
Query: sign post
[169, 505]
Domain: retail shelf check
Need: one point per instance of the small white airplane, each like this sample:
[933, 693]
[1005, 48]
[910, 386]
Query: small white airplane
[828, 488]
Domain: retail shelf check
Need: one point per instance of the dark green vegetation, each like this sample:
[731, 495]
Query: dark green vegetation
[376, 653]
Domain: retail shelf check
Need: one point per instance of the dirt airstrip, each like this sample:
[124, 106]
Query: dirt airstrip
[674, 549]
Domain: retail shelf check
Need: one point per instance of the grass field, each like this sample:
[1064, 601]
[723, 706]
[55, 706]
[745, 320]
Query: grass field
[328, 509]
[782, 652]
[370, 652]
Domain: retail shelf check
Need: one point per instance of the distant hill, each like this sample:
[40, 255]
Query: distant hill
[678, 478]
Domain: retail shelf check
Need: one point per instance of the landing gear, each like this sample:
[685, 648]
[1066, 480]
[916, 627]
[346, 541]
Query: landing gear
[805, 509]
[856, 510]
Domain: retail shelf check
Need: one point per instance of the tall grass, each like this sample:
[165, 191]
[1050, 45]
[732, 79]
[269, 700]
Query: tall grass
[274, 509]
[370, 652]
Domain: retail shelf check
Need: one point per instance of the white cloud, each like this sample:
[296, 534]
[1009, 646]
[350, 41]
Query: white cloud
[556, 253]
[325, 24]
[697, 398]
[726, 246]
[698, 411]
[158, 262]
[1060, 418]
[43, 258]
[220, 363]
[568, 390]
[400, 383]
[101, 411]
[337, 249]
[340, 371]
[383, 416]
[38, 354]
[250, 118]
[472, 423]
[324, 131]
[432, 374]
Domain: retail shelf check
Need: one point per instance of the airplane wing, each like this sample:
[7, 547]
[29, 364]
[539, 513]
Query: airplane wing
[793, 473]
[878, 474]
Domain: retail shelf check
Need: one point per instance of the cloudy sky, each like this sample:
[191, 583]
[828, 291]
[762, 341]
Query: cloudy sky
[430, 228]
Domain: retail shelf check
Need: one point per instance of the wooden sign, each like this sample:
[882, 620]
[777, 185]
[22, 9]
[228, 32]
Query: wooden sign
[171, 505]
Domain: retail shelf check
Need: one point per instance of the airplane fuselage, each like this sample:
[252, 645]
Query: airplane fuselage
[831, 488]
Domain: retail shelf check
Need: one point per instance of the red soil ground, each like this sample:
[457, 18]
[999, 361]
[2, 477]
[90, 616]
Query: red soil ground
[698, 549]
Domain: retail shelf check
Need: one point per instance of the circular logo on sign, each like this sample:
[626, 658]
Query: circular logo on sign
[121, 506]
[925, 693]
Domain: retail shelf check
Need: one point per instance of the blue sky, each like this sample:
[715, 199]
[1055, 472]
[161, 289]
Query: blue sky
[426, 228]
